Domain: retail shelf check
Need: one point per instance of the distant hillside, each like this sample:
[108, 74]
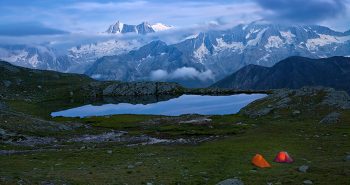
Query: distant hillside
[19, 82]
[38, 85]
[293, 72]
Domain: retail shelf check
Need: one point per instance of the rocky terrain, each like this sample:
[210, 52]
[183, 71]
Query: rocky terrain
[294, 99]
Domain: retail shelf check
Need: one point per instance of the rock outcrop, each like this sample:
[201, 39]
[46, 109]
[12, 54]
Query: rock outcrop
[307, 98]
[142, 88]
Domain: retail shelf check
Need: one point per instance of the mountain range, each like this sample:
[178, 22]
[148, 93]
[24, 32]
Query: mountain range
[219, 53]
[199, 60]
[75, 60]
[293, 73]
[143, 28]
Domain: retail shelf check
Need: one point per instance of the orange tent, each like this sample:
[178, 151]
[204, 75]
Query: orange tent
[259, 161]
[283, 157]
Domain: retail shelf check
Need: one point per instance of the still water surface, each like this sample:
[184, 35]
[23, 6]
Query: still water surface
[185, 104]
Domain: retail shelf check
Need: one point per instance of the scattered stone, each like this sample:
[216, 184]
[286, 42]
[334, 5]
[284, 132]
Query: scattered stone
[303, 168]
[333, 117]
[149, 183]
[131, 166]
[47, 183]
[296, 112]
[109, 151]
[7, 83]
[307, 182]
[291, 99]
[253, 171]
[231, 182]
[141, 88]
[259, 113]
[347, 158]
[138, 163]
[199, 120]
[104, 137]
[203, 173]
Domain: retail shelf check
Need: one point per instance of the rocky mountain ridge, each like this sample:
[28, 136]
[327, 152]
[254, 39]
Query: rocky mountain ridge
[219, 53]
[294, 73]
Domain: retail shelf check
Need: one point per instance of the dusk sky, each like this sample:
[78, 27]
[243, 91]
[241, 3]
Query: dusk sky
[38, 17]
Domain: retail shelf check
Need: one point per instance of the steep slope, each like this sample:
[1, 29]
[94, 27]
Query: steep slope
[138, 65]
[293, 72]
[83, 56]
[34, 56]
[75, 59]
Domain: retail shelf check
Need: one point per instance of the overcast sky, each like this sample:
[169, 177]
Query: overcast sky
[39, 17]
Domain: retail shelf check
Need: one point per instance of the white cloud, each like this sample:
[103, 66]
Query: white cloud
[184, 73]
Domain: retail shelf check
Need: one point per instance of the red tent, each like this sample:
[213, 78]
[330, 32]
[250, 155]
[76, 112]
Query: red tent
[283, 157]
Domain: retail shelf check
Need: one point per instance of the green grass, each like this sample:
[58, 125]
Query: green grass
[206, 163]
[320, 146]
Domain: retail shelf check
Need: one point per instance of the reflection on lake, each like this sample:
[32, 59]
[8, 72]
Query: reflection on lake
[185, 104]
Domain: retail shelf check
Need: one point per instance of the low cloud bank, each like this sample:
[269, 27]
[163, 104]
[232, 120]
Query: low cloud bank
[184, 73]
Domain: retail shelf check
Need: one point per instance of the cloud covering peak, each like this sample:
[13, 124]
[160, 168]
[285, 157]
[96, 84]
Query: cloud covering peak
[184, 73]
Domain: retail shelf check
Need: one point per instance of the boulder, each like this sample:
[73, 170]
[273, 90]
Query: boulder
[347, 158]
[3, 106]
[333, 117]
[6, 83]
[231, 182]
[307, 182]
[303, 168]
[296, 112]
[338, 99]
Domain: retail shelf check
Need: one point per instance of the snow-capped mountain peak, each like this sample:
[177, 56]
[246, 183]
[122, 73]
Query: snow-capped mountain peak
[223, 52]
[143, 28]
[161, 27]
[115, 28]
